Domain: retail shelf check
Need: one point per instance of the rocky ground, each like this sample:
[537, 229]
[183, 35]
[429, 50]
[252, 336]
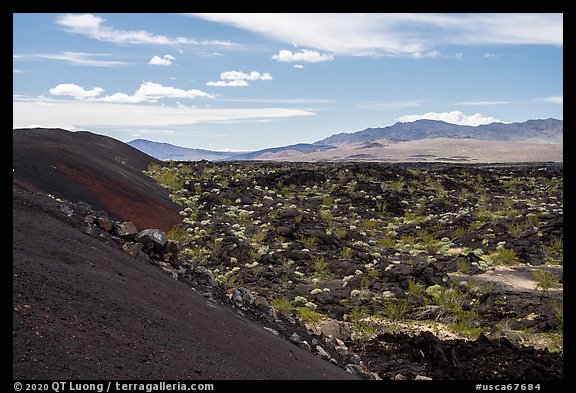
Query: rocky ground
[94, 298]
[418, 269]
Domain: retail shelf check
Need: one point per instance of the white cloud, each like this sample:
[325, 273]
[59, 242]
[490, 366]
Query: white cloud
[147, 92]
[124, 98]
[310, 56]
[166, 60]
[84, 114]
[232, 83]
[94, 27]
[239, 75]
[490, 55]
[151, 92]
[17, 71]
[290, 101]
[76, 58]
[78, 92]
[298, 66]
[454, 117]
[483, 102]
[239, 78]
[407, 34]
[554, 99]
[210, 54]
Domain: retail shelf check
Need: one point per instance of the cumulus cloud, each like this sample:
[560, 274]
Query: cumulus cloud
[239, 78]
[151, 92]
[310, 56]
[298, 66]
[166, 60]
[455, 117]
[554, 99]
[239, 75]
[405, 34]
[78, 92]
[94, 27]
[147, 92]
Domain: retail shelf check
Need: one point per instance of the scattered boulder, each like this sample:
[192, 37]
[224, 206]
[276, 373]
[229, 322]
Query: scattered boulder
[336, 329]
[126, 229]
[273, 331]
[169, 253]
[261, 301]
[295, 338]
[284, 231]
[90, 219]
[153, 239]
[133, 248]
[323, 354]
[66, 210]
[105, 223]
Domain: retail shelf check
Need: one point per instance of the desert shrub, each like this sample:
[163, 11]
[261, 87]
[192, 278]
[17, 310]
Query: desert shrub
[282, 304]
[167, 177]
[370, 224]
[554, 253]
[459, 233]
[364, 327]
[504, 256]
[545, 280]
[396, 309]
[309, 241]
[347, 252]
[307, 315]
[325, 214]
[396, 185]
[230, 278]
[320, 265]
[517, 229]
[387, 242]
[451, 302]
[416, 291]
[431, 244]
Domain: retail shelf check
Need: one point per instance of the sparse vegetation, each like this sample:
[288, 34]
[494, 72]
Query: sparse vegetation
[290, 231]
[546, 280]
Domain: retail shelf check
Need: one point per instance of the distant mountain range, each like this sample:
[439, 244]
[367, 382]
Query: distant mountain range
[167, 151]
[529, 134]
[531, 131]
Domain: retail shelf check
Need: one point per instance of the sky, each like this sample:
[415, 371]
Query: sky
[237, 82]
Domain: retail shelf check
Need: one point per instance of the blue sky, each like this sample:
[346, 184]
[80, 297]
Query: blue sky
[251, 81]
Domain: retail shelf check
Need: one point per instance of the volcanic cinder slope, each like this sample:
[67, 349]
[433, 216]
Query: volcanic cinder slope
[84, 309]
[102, 171]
